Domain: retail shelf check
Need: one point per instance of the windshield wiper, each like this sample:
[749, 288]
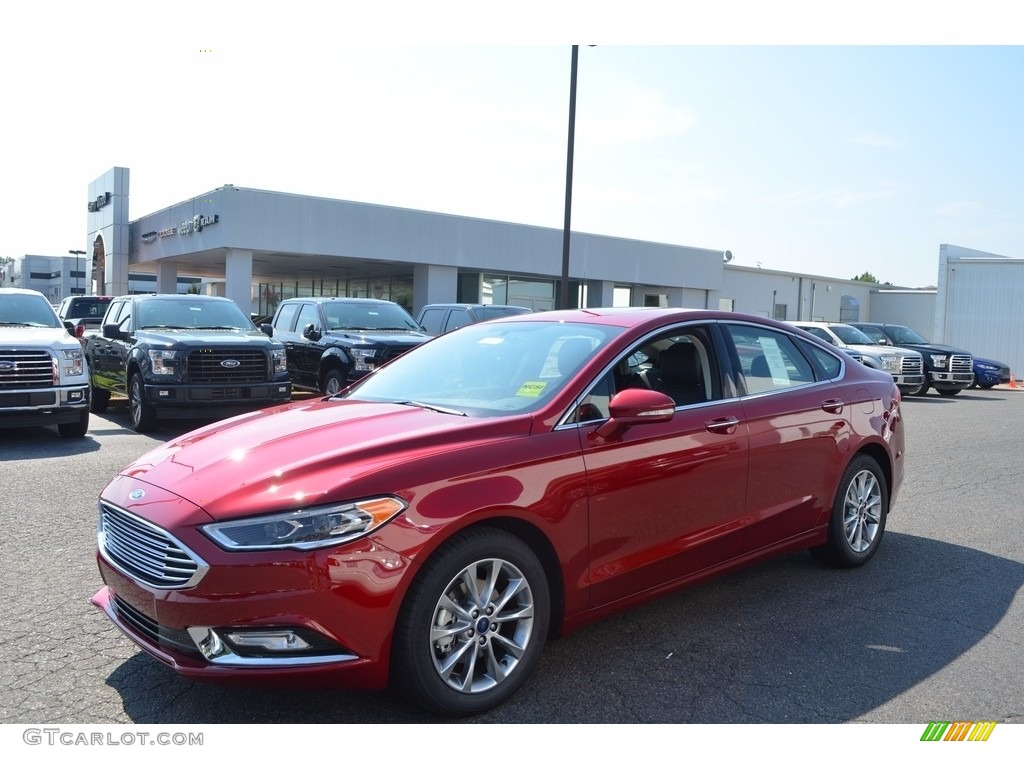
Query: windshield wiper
[427, 406]
[164, 328]
[218, 328]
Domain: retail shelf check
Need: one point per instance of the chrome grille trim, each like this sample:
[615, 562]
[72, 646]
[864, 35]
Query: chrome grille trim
[32, 368]
[146, 552]
[912, 365]
[961, 364]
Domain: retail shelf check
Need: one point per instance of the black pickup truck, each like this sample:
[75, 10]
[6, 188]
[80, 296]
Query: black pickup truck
[946, 368]
[184, 357]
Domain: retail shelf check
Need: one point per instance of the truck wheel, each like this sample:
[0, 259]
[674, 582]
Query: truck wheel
[918, 391]
[75, 428]
[142, 414]
[334, 381]
[99, 401]
[949, 392]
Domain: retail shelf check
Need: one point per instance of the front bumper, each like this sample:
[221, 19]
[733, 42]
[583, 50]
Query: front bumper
[43, 407]
[950, 380]
[339, 604]
[192, 400]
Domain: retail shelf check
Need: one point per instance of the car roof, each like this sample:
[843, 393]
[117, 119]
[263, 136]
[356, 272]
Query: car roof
[346, 299]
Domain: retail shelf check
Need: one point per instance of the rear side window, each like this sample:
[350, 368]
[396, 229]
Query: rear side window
[285, 317]
[432, 320]
[769, 360]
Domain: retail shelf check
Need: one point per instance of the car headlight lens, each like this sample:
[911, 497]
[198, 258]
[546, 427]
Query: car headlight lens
[280, 360]
[939, 361]
[162, 361]
[891, 363]
[986, 367]
[364, 359]
[313, 528]
[71, 362]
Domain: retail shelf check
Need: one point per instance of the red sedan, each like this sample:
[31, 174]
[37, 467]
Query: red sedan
[433, 525]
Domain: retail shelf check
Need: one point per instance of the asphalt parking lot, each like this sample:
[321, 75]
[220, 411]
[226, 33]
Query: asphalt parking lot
[929, 630]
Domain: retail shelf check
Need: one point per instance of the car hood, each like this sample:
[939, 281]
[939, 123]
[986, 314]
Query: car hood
[988, 361]
[23, 334]
[201, 336]
[398, 338]
[306, 453]
[881, 349]
[943, 348]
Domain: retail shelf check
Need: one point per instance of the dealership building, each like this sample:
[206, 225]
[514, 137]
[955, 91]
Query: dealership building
[259, 247]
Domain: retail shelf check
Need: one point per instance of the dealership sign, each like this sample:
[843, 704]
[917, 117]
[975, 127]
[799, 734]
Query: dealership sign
[196, 224]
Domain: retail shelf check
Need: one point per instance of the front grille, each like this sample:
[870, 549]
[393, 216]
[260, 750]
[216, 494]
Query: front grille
[151, 630]
[27, 368]
[911, 366]
[147, 552]
[961, 364]
[244, 366]
[390, 353]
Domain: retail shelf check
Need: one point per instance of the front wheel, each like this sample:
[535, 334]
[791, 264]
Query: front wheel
[75, 428]
[142, 414]
[949, 392]
[473, 625]
[99, 400]
[334, 382]
[858, 516]
[920, 390]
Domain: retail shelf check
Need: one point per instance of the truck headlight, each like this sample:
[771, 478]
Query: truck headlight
[364, 359]
[939, 361]
[72, 362]
[322, 526]
[891, 363]
[162, 361]
[280, 360]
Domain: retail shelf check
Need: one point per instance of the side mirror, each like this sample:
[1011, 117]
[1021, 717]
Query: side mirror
[631, 407]
[113, 331]
[310, 332]
[268, 329]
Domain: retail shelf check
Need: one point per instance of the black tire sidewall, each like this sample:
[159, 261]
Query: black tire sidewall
[412, 670]
[838, 550]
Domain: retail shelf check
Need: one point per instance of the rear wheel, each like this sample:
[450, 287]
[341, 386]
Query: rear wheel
[142, 414]
[473, 625]
[858, 517]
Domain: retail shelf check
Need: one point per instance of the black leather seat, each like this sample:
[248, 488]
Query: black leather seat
[681, 375]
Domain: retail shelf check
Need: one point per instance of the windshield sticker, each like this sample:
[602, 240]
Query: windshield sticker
[776, 361]
[531, 389]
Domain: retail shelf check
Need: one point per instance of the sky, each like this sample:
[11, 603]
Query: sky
[845, 147]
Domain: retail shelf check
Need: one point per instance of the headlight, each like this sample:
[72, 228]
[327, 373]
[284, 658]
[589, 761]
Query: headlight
[891, 362]
[280, 360]
[313, 528]
[364, 359]
[162, 361]
[71, 362]
[986, 367]
[939, 361]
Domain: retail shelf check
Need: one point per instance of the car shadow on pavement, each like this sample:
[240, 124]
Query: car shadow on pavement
[786, 641]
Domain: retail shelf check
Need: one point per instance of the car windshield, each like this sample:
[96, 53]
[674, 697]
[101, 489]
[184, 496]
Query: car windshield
[850, 335]
[367, 316]
[27, 309]
[88, 306]
[901, 334]
[496, 310]
[487, 370]
[172, 313]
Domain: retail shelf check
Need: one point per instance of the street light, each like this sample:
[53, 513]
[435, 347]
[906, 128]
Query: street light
[78, 264]
[563, 294]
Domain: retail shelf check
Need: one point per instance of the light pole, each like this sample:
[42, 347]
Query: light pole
[563, 293]
[78, 264]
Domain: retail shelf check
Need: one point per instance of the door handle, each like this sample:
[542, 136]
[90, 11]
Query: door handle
[832, 406]
[726, 425]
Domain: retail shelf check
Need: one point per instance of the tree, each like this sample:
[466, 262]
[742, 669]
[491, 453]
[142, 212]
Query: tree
[867, 277]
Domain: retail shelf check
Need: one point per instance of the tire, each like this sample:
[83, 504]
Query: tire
[919, 391]
[141, 413]
[948, 392]
[99, 400]
[447, 656]
[75, 428]
[334, 381]
[859, 513]
[984, 386]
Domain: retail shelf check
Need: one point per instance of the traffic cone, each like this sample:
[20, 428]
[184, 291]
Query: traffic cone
[1013, 381]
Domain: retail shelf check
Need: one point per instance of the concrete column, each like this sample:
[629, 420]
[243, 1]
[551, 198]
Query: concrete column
[433, 284]
[238, 278]
[600, 293]
[166, 277]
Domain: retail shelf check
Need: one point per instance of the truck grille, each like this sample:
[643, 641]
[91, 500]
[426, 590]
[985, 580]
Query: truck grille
[27, 368]
[145, 551]
[911, 366]
[226, 366]
[961, 364]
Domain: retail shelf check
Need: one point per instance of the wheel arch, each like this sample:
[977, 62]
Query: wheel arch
[881, 457]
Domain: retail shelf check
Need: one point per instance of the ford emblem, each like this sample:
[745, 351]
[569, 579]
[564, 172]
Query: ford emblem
[7, 365]
[230, 363]
[137, 494]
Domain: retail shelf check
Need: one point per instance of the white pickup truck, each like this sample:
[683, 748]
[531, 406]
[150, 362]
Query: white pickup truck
[43, 375]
